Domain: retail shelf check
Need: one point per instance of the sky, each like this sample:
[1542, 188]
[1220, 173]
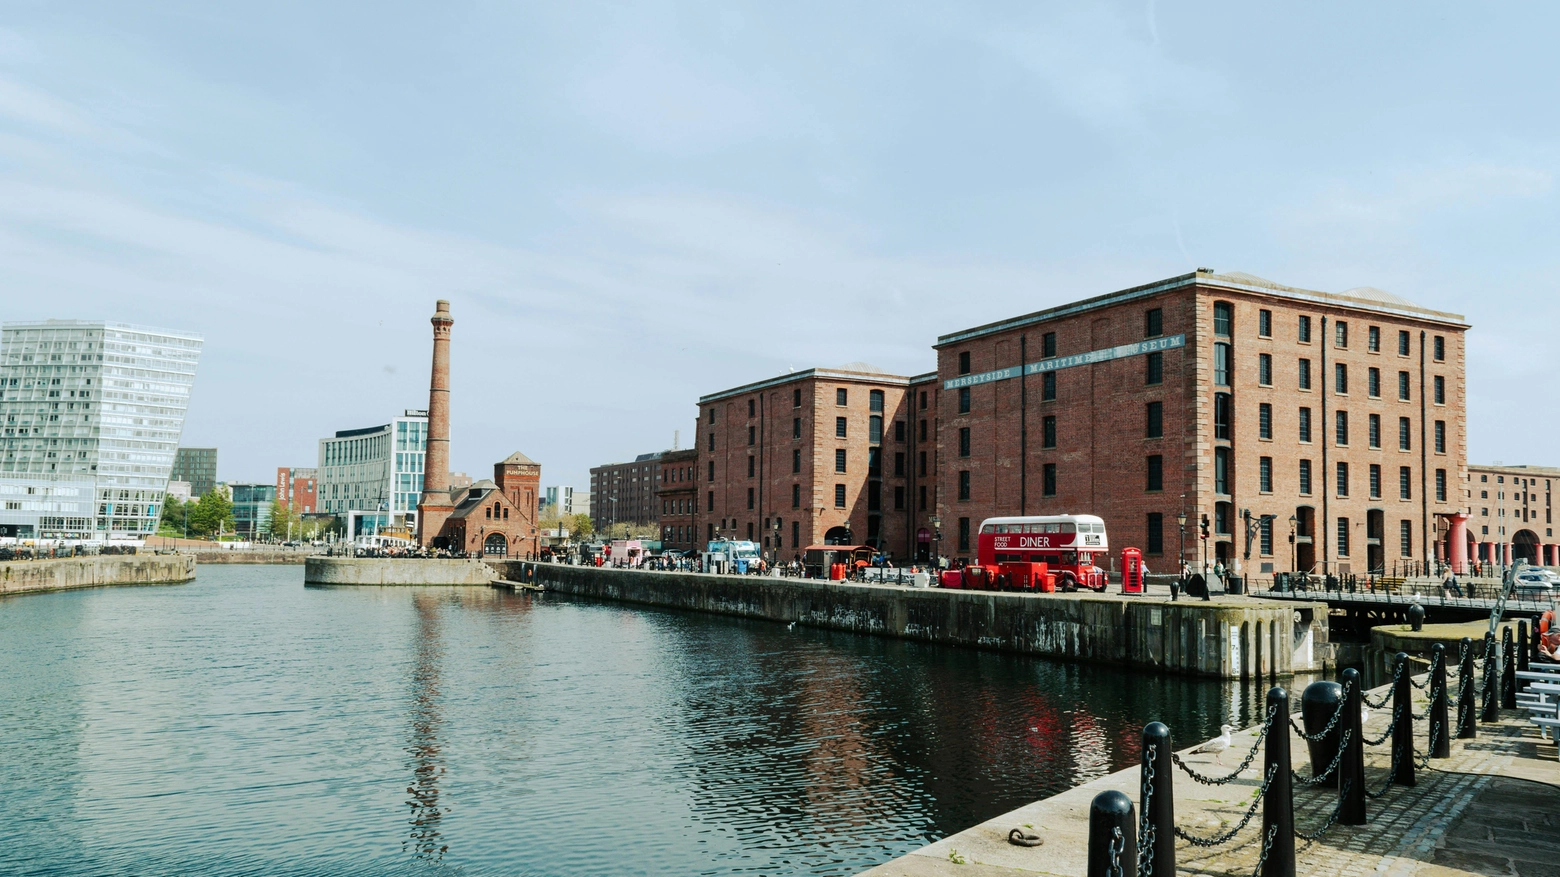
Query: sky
[632, 205]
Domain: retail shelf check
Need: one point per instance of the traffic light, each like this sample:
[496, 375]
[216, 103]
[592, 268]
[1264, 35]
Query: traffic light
[1205, 526]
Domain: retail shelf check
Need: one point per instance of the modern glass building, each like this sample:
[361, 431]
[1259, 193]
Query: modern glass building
[198, 466]
[252, 509]
[90, 418]
[372, 477]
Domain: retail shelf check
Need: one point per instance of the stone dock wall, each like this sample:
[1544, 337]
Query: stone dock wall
[395, 571]
[1226, 638]
[19, 577]
[218, 557]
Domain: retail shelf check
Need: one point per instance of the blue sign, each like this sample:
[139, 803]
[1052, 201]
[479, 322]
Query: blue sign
[1123, 351]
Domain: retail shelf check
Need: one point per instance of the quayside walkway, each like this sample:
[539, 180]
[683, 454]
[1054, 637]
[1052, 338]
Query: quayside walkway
[1489, 807]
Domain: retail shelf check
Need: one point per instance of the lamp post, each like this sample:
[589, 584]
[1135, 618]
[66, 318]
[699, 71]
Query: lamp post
[777, 541]
[1180, 560]
[1292, 522]
[936, 542]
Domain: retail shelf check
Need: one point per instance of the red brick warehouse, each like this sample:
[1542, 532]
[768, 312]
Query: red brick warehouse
[1220, 395]
[822, 455]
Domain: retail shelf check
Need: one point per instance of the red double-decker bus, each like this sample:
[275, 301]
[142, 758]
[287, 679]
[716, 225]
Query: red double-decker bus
[1067, 544]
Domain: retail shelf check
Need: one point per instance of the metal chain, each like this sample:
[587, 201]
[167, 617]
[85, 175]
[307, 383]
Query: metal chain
[1331, 723]
[1196, 841]
[1116, 851]
[1331, 820]
[1267, 847]
[1219, 781]
[1428, 677]
[1424, 762]
[1397, 759]
[1376, 705]
[1343, 744]
[1489, 666]
[1397, 713]
[1146, 825]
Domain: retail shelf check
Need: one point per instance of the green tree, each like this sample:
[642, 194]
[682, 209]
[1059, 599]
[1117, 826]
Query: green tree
[581, 528]
[283, 519]
[212, 514]
[173, 516]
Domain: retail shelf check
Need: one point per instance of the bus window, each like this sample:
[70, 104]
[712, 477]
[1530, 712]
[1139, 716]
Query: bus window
[1067, 528]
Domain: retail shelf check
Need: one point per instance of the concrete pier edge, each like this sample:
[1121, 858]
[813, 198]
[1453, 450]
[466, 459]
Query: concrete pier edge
[99, 571]
[1226, 638]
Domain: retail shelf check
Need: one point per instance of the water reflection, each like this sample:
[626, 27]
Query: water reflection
[427, 761]
[406, 730]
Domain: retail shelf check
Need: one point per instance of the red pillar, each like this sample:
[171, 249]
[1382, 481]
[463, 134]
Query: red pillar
[1457, 543]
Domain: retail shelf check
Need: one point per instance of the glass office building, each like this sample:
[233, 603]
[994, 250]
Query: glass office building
[90, 418]
[198, 467]
[371, 478]
[252, 509]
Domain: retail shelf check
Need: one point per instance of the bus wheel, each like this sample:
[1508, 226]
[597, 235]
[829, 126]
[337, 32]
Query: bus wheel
[1067, 582]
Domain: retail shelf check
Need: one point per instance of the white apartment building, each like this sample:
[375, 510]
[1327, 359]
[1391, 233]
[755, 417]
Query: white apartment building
[373, 477]
[90, 419]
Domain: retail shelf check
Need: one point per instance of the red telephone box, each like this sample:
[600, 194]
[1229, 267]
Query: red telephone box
[1131, 571]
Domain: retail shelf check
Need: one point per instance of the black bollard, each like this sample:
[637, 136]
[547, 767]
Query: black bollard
[1440, 731]
[1351, 772]
[1112, 836]
[1491, 680]
[1524, 651]
[1467, 706]
[1416, 617]
[1508, 674]
[1158, 798]
[1278, 808]
[1403, 724]
[1318, 703]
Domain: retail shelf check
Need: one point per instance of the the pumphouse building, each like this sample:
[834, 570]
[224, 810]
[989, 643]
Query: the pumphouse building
[1314, 430]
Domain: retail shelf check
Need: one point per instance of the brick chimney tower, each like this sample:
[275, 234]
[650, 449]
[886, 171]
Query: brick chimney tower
[435, 505]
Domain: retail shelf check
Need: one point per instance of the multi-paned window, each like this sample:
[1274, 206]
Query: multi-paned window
[1305, 477]
[1342, 479]
[1405, 442]
[1156, 421]
[1156, 473]
[1305, 424]
[1048, 431]
[1403, 386]
[1265, 369]
[1375, 481]
[1265, 474]
[1265, 323]
[1303, 374]
[1264, 421]
[1405, 483]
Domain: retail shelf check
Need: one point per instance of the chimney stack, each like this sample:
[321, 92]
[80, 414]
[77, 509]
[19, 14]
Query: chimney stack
[435, 505]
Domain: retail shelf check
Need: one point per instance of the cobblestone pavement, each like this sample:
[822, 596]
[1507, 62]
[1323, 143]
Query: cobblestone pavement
[1491, 808]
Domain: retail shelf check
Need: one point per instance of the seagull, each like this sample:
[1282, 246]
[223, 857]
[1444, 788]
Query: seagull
[791, 626]
[1217, 745]
[1364, 714]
